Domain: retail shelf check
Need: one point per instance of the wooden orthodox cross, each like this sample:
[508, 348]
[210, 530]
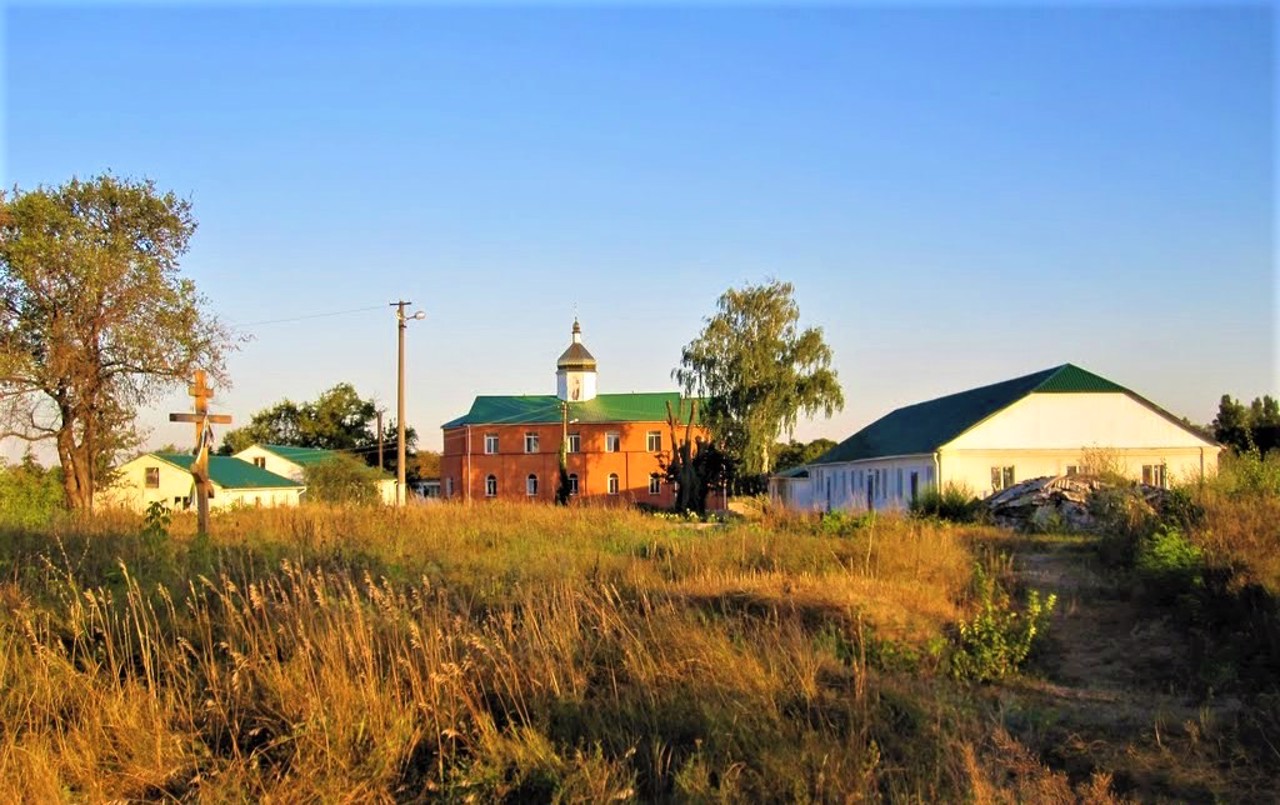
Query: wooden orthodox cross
[203, 421]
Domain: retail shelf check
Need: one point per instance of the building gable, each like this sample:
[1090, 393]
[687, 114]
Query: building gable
[926, 427]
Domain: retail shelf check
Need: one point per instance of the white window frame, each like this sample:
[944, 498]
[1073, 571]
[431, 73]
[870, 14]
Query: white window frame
[491, 486]
[575, 443]
[1003, 477]
[531, 485]
[573, 483]
[653, 441]
[490, 444]
[655, 484]
[613, 483]
[260, 462]
[613, 442]
[1155, 475]
[531, 441]
[148, 474]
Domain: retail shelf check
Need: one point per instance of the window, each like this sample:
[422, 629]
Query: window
[531, 485]
[257, 501]
[575, 443]
[153, 477]
[573, 483]
[1154, 475]
[1001, 478]
[491, 486]
[612, 442]
[1073, 469]
[655, 484]
[653, 441]
[448, 487]
[260, 462]
[613, 483]
[490, 444]
[899, 487]
[531, 442]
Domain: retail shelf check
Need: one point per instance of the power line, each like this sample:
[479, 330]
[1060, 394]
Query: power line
[304, 317]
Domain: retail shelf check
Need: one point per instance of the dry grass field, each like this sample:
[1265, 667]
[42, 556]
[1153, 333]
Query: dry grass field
[532, 654]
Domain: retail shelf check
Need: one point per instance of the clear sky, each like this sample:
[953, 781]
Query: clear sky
[959, 194]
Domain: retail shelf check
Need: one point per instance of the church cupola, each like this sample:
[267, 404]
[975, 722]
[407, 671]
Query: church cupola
[576, 371]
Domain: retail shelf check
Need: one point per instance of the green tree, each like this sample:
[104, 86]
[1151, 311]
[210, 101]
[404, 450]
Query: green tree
[95, 319]
[797, 454]
[342, 479]
[1244, 428]
[758, 371]
[339, 419]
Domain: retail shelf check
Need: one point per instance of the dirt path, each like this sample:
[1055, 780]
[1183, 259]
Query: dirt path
[1108, 690]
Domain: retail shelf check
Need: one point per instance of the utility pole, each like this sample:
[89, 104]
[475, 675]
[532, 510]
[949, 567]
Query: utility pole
[402, 320]
[204, 440]
[379, 439]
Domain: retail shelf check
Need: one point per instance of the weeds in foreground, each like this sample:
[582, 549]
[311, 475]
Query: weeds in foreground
[519, 654]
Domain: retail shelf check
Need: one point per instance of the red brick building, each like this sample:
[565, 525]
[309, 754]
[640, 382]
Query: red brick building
[508, 447]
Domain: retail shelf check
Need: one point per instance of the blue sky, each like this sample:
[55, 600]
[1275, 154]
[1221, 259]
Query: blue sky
[959, 194]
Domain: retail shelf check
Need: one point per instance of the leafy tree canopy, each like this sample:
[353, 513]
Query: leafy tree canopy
[1243, 428]
[95, 319]
[758, 372]
[339, 419]
[341, 479]
[796, 454]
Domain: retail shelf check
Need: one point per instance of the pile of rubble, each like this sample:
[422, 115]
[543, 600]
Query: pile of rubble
[1052, 503]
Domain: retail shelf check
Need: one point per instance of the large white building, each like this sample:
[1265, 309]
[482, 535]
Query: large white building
[988, 438]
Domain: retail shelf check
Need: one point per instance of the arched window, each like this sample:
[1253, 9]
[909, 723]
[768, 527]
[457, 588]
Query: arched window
[531, 485]
[613, 483]
[655, 484]
[573, 483]
[491, 486]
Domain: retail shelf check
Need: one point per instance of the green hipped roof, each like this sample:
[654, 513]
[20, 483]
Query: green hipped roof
[231, 473]
[927, 426]
[301, 456]
[306, 456]
[545, 408]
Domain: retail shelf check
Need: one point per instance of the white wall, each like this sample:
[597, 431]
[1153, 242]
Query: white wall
[844, 486]
[273, 463]
[130, 488]
[791, 493]
[1073, 421]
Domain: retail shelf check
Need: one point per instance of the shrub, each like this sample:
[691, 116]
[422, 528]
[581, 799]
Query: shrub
[955, 503]
[342, 479]
[30, 495]
[999, 638]
[1169, 563]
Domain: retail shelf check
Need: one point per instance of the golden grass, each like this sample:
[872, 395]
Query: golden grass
[499, 652]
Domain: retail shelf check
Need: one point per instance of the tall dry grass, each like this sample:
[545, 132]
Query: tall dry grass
[510, 653]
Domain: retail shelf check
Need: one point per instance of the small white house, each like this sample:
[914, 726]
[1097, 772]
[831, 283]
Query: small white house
[291, 462]
[166, 477]
[992, 437]
[791, 489]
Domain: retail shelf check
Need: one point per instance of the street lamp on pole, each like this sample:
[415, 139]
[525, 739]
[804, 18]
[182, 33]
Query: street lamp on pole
[401, 320]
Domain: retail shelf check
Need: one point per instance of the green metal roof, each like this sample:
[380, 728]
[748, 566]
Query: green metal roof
[231, 473]
[927, 426]
[545, 408]
[306, 456]
[302, 456]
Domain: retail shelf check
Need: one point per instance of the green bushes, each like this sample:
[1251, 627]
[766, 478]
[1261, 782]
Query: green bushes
[342, 479]
[953, 503]
[999, 639]
[30, 496]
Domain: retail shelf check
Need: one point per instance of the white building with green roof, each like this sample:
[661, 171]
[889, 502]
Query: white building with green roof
[985, 439]
[292, 462]
[166, 478]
